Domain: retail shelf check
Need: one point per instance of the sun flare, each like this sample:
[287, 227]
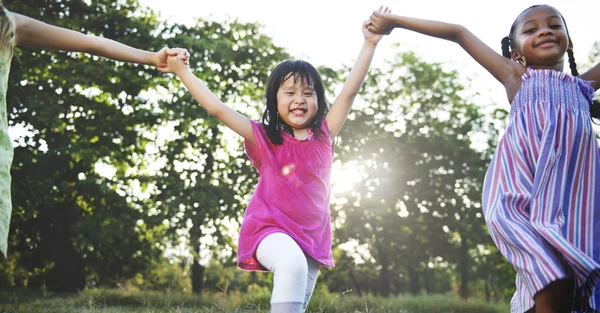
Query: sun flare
[344, 177]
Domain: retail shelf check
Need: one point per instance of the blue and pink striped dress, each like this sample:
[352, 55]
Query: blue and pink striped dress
[540, 198]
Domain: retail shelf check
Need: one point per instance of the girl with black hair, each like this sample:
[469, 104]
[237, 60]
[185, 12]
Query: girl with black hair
[540, 198]
[286, 227]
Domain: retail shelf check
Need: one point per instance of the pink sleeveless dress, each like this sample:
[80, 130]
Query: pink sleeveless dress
[292, 195]
[540, 198]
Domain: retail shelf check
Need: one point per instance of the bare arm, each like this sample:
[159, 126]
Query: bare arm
[593, 75]
[343, 102]
[31, 32]
[504, 70]
[215, 107]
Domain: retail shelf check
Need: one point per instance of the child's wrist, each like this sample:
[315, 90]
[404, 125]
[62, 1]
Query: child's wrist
[370, 43]
[154, 59]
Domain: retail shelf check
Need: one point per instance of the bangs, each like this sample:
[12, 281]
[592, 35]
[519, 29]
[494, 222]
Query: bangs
[301, 71]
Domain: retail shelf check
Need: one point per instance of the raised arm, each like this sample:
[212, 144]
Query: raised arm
[215, 107]
[31, 32]
[343, 102]
[504, 70]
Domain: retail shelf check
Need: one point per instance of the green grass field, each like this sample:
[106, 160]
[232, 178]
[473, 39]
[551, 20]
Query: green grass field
[113, 301]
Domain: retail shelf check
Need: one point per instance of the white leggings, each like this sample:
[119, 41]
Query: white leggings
[294, 273]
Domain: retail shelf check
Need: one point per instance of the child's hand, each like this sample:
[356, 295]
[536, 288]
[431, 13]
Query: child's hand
[160, 57]
[381, 21]
[177, 63]
[370, 35]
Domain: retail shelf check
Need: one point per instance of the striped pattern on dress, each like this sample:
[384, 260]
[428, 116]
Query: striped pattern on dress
[540, 198]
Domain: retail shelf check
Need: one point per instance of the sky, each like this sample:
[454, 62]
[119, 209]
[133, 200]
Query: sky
[328, 32]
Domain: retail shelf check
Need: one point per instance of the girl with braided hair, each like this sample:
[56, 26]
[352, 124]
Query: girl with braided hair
[540, 198]
[17, 29]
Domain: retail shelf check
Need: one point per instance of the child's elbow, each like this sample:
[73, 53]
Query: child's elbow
[459, 33]
[216, 111]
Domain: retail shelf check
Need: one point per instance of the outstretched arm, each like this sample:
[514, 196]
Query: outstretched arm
[31, 32]
[343, 102]
[215, 107]
[504, 70]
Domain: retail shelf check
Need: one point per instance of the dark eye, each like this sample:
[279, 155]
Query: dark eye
[308, 93]
[556, 26]
[529, 31]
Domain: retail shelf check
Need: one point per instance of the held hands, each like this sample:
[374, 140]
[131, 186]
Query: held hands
[381, 21]
[177, 63]
[370, 35]
[160, 57]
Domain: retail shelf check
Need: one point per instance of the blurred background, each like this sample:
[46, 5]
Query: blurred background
[121, 181]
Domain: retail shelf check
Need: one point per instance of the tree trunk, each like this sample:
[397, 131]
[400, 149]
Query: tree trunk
[413, 279]
[197, 277]
[488, 294]
[427, 280]
[68, 273]
[197, 269]
[464, 268]
[384, 275]
[355, 282]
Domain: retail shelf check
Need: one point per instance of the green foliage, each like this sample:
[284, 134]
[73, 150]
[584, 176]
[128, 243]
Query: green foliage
[166, 275]
[109, 301]
[595, 54]
[417, 208]
[231, 279]
[74, 225]
[206, 179]
[181, 178]
[69, 222]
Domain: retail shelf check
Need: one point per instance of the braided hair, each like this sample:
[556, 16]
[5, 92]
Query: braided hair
[508, 44]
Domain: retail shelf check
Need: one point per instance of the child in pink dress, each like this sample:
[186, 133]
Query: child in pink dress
[286, 227]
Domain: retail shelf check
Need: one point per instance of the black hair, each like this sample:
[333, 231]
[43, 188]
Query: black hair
[508, 43]
[299, 70]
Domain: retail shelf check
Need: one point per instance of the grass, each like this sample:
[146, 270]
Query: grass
[114, 301]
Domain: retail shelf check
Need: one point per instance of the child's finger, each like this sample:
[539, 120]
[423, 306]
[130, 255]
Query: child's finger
[172, 51]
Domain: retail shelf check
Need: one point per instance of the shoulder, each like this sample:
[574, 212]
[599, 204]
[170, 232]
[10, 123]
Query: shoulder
[325, 127]
[514, 80]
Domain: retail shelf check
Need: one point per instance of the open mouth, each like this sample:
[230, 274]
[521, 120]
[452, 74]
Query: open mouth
[298, 111]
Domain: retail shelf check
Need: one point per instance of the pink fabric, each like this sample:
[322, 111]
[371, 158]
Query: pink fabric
[292, 195]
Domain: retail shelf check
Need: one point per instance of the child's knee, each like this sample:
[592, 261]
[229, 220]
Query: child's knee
[294, 267]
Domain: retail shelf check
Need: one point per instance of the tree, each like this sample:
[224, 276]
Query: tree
[69, 221]
[74, 224]
[202, 188]
[418, 205]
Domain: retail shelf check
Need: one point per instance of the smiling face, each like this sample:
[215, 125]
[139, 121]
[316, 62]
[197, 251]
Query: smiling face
[541, 36]
[297, 102]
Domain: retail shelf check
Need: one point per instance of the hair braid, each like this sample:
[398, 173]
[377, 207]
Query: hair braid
[595, 105]
[506, 47]
[572, 63]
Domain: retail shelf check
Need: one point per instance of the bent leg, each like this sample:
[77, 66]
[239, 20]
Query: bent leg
[557, 297]
[280, 254]
[311, 280]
